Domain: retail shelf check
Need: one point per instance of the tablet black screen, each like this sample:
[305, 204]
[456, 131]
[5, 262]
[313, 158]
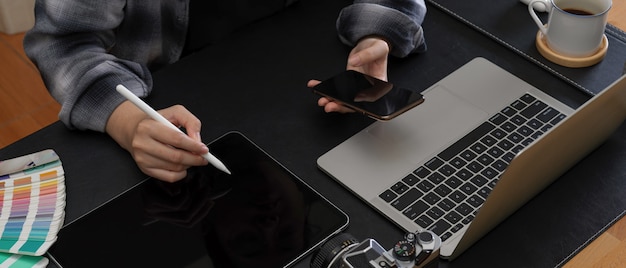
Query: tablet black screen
[260, 216]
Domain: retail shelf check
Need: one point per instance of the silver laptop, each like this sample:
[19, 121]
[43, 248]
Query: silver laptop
[482, 144]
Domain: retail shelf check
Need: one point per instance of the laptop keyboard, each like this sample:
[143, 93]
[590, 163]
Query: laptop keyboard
[444, 194]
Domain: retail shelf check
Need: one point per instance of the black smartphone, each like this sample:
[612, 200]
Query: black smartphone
[368, 95]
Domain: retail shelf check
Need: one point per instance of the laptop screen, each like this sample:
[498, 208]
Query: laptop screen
[260, 216]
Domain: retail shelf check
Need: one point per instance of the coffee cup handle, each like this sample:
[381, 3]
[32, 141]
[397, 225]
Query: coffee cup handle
[533, 14]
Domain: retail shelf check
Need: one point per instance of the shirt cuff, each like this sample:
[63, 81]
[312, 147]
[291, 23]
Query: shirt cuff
[405, 33]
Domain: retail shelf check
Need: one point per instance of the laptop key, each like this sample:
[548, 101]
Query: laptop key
[435, 213]
[547, 114]
[485, 159]
[416, 209]
[464, 142]
[525, 131]
[458, 196]
[399, 188]
[409, 213]
[436, 178]
[456, 228]
[493, 183]
[446, 204]
[557, 119]
[475, 166]
[434, 163]
[475, 201]
[517, 149]
[442, 190]
[453, 217]
[497, 119]
[410, 180]
[453, 182]
[464, 174]
[498, 133]
[508, 111]
[499, 165]
[495, 152]
[505, 145]
[458, 162]
[519, 105]
[445, 236]
[527, 98]
[388, 196]
[534, 124]
[422, 172]
[533, 109]
[468, 155]
[518, 120]
[484, 192]
[425, 186]
[489, 173]
[423, 221]
[479, 180]
[478, 148]
[488, 140]
[464, 209]
[515, 137]
[439, 227]
[431, 198]
[527, 141]
[545, 128]
[447, 170]
[406, 199]
[508, 157]
[508, 127]
[468, 188]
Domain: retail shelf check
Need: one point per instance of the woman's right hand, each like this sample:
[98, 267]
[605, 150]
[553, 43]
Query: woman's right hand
[159, 151]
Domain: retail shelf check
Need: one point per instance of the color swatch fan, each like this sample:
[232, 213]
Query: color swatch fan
[32, 201]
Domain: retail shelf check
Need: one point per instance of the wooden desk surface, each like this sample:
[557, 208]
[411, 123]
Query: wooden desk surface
[26, 107]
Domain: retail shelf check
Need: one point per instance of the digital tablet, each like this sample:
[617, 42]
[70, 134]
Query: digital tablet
[260, 216]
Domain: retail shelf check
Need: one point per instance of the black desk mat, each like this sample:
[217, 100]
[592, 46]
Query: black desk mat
[508, 23]
[231, 86]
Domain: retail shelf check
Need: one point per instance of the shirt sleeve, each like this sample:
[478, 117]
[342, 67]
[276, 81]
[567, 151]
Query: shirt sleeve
[69, 44]
[398, 21]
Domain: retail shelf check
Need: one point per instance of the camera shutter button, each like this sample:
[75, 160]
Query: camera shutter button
[425, 237]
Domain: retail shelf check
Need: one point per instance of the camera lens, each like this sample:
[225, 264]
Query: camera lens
[328, 254]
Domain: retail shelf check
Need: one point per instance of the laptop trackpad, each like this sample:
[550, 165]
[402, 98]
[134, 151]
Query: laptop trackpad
[384, 152]
[441, 119]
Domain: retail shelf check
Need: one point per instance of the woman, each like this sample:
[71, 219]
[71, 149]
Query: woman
[83, 49]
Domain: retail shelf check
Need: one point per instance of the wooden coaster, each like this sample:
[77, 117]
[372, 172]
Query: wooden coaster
[567, 61]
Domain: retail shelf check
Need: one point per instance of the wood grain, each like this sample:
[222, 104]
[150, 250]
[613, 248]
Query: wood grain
[26, 106]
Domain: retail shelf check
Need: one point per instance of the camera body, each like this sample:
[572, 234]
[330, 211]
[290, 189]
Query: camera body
[345, 251]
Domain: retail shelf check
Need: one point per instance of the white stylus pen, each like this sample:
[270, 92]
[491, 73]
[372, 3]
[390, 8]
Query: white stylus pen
[158, 117]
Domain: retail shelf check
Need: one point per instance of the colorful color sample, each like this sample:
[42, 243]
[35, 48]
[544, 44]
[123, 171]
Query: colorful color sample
[32, 208]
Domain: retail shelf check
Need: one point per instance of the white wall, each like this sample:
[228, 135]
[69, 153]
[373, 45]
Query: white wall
[16, 15]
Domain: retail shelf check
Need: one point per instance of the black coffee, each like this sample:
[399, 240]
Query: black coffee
[577, 11]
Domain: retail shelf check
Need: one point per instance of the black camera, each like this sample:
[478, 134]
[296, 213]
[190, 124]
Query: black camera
[345, 251]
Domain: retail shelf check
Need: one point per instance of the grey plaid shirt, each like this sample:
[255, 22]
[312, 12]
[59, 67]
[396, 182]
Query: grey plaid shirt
[83, 48]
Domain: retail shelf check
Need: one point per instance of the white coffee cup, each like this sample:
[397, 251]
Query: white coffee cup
[575, 28]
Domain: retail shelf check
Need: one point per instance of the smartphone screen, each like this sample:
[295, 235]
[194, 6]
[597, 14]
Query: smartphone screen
[376, 98]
